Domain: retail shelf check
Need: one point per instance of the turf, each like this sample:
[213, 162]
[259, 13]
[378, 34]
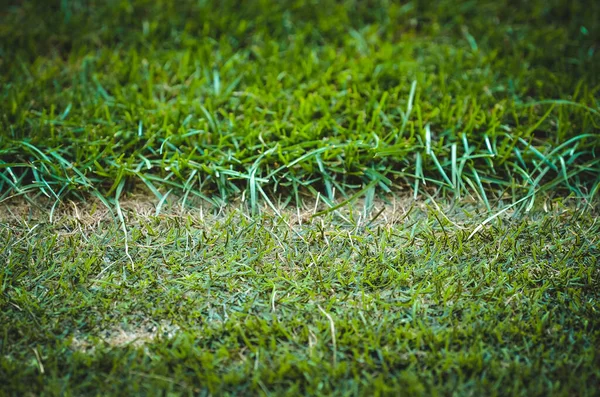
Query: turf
[233, 304]
[341, 197]
[219, 99]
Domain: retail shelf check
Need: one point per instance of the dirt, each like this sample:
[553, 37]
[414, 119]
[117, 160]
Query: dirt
[136, 336]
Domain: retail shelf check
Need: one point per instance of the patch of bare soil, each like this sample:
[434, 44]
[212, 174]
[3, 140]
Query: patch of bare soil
[144, 204]
[136, 336]
[380, 211]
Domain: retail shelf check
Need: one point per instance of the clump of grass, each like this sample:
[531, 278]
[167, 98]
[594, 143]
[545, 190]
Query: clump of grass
[279, 97]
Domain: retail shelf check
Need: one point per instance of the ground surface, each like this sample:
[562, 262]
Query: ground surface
[301, 197]
[227, 303]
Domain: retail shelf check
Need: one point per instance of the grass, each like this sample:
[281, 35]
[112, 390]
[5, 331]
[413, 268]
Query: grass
[228, 304]
[342, 197]
[285, 96]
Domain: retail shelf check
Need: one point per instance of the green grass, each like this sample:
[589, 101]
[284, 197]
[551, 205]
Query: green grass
[259, 305]
[216, 100]
[234, 118]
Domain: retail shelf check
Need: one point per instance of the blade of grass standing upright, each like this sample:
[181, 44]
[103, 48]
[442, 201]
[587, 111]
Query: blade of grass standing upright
[118, 192]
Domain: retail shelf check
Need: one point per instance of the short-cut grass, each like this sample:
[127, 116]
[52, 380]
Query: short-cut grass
[345, 197]
[234, 304]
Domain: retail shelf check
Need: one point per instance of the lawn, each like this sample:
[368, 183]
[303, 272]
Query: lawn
[299, 197]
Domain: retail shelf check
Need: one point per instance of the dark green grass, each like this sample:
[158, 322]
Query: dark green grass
[220, 99]
[406, 307]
